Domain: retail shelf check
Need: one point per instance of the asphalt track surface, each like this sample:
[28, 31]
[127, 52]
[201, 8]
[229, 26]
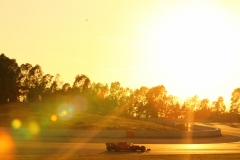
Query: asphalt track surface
[40, 148]
[228, 143]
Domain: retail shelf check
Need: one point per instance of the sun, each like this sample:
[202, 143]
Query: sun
[197, 47]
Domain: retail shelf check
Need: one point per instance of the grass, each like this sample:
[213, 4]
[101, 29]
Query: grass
[69, 117]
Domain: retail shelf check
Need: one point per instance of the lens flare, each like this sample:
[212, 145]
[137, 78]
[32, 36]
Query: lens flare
[16, 123]
[33, 128]
[44, 122]
[80, 103]
[6, 143]
[54, 118]
[63, 113]
[66, 111]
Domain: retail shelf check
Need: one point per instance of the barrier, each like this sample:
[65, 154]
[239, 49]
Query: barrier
[177, 134]
[202, 131]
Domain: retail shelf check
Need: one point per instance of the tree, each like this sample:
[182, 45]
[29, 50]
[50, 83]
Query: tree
[125, 100]
[45, 85]
[81, 83]
[114, 89]
[156, 97]
[189, 107]
[46, 82]
[35, 77]
[23, 81]
[99, 93]
[203, 111]
[235, 102]
[56, 84]
[66, 87]
[172, 107]
[30, 81]
[8, 79]
[113, 99]
[137, 103]
[218, 107]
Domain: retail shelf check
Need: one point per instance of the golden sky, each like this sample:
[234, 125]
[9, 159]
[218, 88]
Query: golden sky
[189, 46]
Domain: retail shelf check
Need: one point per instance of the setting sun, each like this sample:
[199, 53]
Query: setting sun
[190, 47]
[198, 49]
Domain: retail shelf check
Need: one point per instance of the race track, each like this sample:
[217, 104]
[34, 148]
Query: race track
[43, 148]
[91, 147]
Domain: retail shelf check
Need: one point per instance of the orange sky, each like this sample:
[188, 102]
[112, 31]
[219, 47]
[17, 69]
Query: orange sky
[189, 46]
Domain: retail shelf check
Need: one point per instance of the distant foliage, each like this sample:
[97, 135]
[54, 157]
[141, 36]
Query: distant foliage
[27, 83]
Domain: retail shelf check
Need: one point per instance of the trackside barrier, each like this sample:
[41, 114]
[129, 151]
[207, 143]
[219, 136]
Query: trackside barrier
[197, 131]
[130, 134]
[203, 132]
[177, 134]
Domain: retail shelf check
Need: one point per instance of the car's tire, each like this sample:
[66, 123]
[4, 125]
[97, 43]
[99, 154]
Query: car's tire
[117, 149]
[109, 148]
[143, 148]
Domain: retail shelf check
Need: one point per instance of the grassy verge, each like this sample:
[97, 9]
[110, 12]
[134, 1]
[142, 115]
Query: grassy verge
[68, 116]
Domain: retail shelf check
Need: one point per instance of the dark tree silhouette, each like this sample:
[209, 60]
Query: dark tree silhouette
[23, 81]
[235, 101]
[66, 88]
[45, 86]
[203, 110]
[81, 83]
[56, 84]
[35, 77]
[8, 76]
[218, 109]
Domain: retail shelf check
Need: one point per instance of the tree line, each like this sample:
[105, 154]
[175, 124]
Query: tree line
[28, 83]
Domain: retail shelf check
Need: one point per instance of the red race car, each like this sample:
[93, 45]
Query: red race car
[125, 146]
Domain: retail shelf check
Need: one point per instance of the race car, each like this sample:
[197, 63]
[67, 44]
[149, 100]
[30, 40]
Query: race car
[125, 146]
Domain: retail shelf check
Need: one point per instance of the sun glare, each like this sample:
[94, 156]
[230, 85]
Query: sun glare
[66, 111]
[198, 44]
[34, 128]
[193, 146]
